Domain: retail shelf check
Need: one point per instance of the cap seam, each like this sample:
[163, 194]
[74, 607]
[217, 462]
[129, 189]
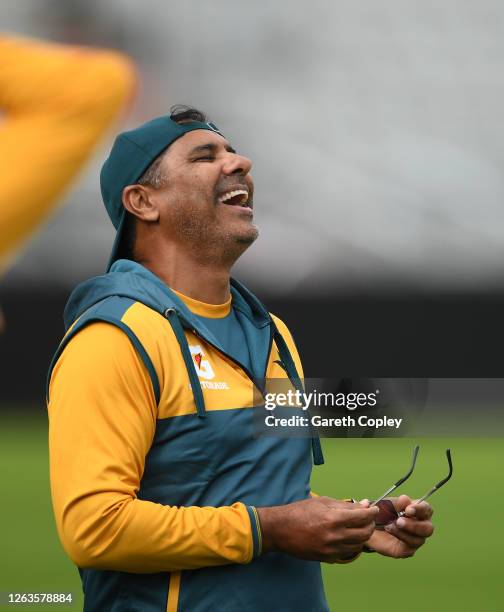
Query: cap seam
[138, 146]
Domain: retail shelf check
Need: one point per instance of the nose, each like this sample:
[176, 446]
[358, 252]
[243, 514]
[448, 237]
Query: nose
[236, 164]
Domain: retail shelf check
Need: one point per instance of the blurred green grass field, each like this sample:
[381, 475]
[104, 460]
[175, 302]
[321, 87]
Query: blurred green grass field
[459, 569]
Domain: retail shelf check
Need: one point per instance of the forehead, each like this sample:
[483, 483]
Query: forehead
[196, 138]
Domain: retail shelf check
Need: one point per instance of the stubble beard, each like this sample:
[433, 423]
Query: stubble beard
[214, 244]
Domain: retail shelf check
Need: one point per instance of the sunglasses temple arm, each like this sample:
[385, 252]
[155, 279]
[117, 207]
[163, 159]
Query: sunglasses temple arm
[401, 480]
[387, 492]
[428, 494]
[424, 497]
[440, 483]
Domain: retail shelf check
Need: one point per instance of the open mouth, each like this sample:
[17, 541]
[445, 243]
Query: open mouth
[236, 197]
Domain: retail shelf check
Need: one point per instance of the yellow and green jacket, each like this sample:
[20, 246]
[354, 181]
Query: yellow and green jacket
[155, 470]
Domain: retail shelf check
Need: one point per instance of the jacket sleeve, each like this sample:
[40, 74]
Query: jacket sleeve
[56, 101]
[102, 417]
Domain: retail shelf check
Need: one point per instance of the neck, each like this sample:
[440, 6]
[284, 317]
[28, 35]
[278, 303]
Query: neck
[206, 282]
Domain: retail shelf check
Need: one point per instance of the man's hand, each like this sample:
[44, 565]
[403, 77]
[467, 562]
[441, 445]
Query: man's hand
[404, 536]
[318, 529]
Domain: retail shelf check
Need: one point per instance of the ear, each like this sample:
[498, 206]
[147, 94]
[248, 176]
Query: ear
[137, 201]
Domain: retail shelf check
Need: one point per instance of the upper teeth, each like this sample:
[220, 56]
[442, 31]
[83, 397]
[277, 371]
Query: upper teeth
[232, 194]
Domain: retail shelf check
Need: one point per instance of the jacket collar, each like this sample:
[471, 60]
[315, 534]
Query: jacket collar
[130, 279]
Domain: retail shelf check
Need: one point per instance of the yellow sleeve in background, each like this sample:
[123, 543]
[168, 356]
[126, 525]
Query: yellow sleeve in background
[102, 418]
[56, 102]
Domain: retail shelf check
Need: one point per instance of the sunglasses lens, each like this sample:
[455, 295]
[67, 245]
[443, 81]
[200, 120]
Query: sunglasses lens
[388, 514]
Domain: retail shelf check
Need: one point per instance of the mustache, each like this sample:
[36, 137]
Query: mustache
[232, 183]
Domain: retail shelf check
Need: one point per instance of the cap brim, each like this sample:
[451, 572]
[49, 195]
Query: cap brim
[118, 246]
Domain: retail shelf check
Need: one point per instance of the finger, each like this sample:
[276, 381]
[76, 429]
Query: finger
[348, 508]
[357, 516]
[412, 541]
[339, 550]
[356, 535]
[350, 549]
[405, 551]
[342, 555]
[337, 503]
[423, 529]
[421, 511]
[401, 502]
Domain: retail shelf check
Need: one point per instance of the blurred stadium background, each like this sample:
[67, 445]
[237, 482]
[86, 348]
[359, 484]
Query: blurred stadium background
[377, 139]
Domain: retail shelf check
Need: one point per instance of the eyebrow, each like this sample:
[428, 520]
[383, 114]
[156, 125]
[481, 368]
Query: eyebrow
[210, 147]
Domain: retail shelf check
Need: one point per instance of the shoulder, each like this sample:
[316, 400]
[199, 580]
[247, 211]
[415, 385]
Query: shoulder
[289, 339]
[283, 329]
[99, 352]
[130, 316]
[118, 334]
[100, 371]
[95, 344]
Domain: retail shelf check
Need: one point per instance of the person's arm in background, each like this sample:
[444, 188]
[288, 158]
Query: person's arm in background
[56, 101]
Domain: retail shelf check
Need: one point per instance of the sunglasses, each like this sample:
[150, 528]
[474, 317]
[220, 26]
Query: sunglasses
[388, 513]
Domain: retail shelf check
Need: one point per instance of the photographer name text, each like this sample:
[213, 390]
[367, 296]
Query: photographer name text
[346, 421]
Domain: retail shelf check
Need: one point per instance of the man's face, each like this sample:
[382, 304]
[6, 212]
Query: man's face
[207, 201]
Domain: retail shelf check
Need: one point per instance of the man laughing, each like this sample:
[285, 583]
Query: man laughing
[163, 497]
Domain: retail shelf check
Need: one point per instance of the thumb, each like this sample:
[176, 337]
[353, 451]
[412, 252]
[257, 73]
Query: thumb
[401, 502]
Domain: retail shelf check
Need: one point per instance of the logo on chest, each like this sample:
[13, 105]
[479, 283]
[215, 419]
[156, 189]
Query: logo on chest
[204, 369]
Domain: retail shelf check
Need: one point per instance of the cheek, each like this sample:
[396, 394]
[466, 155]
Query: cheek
[198, 188]
[189, 190]
[189, 205]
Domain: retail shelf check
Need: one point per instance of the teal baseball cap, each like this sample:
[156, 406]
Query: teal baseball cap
[132, 153]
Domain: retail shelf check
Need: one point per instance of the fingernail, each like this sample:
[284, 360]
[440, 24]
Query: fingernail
[401, 522]
[389, 527]
[412, 510]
